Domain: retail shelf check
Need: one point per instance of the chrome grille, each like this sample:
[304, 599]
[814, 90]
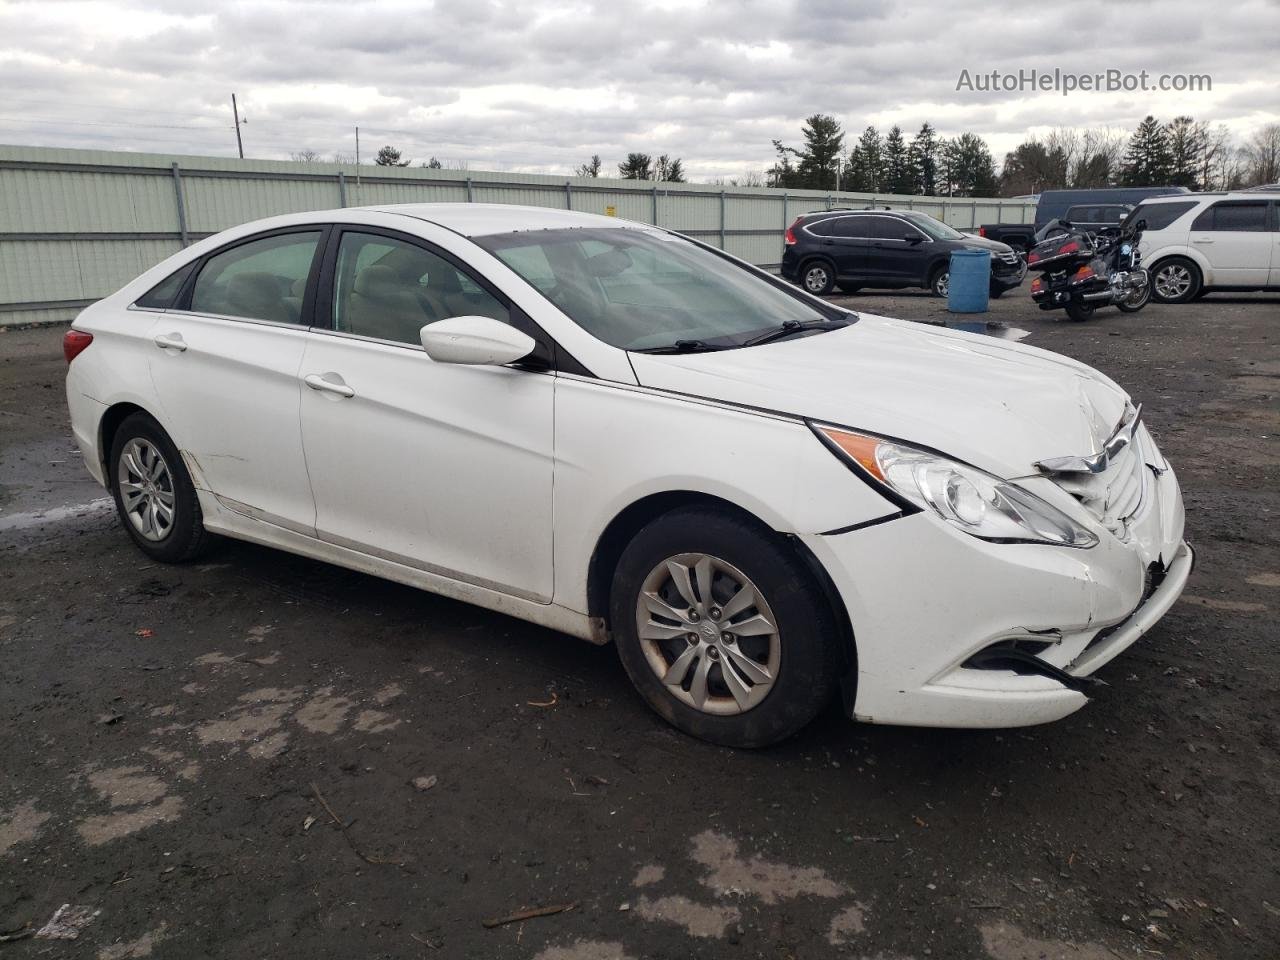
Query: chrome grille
[1115, 494]
[1010, 258]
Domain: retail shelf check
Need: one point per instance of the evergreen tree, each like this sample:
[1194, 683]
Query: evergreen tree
[971, 169]
[866, 163]
[591, 168]
[923, 161]
[637, 166]
[1186, 145]
[823, 146]
[1148, 161]
[897, 169]
[389, 156]
[669, 170]
[1031, 167]
[783, 171]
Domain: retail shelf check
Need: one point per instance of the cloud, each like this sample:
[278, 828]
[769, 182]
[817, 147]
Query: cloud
[506, 85]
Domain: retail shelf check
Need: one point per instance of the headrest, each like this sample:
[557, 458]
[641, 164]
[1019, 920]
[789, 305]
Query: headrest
[253, 288]
[378, 281]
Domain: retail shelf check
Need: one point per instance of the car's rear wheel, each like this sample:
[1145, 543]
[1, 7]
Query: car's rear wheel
[818, 277]
[153, 492]
[721, 628]
[1175, 280]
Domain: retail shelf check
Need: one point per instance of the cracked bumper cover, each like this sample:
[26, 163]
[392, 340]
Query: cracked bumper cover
[924, 598]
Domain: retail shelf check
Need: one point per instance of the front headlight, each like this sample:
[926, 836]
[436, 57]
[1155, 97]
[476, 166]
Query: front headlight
[967, 498]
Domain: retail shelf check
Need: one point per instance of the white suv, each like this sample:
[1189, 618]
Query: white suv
[1211, 241]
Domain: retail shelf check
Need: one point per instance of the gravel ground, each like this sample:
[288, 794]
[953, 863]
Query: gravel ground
[259, 755]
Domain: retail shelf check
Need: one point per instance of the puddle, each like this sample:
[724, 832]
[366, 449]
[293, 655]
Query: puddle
[40, 518]
[989, 328]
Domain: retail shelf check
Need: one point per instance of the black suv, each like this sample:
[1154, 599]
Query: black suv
[852, 249]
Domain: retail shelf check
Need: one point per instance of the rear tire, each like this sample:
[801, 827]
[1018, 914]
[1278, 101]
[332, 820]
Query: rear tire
[154, 496]
[674, 642]
[1176, 280]
[1079, 312]
[817, 277]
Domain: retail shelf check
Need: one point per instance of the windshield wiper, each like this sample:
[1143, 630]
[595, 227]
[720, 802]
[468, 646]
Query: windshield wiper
[685, 346]
[792, 327]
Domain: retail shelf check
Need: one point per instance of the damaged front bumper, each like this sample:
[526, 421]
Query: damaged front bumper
[952, 631]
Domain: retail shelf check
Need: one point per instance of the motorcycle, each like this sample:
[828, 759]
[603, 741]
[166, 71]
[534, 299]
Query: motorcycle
[1081, 271]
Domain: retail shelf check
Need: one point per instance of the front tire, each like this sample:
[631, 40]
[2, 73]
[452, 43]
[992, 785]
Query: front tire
[1176, 280]
[818, 278]
[722, 629]
[154, 496]
[940, 282]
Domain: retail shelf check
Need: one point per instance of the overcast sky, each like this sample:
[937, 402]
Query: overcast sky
[540, 86]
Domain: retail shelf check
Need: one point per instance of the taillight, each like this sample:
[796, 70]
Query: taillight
[789, 236]
[1037, 285]
[1033, 257]
[1071, 247]
[74, 343]
[982, 231]
[1083, 274]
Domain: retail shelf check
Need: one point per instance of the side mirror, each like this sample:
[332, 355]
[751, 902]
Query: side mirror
[1140, 226]
[475, 340]
[912, 238]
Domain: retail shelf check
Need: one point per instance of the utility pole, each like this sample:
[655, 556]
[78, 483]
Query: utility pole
[235, 112]
[357, 159]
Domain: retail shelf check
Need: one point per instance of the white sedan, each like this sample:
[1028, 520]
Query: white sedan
[623, 434]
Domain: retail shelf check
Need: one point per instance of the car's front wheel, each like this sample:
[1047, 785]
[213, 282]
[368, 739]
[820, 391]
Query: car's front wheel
[721, 628]
[153, 492]
[817, 277]
[940, 282]
[1175, 280]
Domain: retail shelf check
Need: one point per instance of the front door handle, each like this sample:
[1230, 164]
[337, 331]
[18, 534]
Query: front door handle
[329, 383]
[171, 341]
[1202, 239]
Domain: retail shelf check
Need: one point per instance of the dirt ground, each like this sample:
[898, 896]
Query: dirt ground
[261, 756]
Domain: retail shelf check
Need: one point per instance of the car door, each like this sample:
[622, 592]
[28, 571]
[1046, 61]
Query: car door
[225, 368]
[840, 239]
[1234, 236]
[899, 250]
[441, 467]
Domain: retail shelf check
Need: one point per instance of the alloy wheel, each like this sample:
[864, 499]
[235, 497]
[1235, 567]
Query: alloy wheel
[708, 634]
[942, 286]
[815, 279]
[1173, 281]
[146, 489]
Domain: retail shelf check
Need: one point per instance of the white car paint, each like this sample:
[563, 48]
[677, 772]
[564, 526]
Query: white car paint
[494, 484]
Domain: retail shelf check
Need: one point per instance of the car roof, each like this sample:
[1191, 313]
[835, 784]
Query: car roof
[481, 219]
[1207, 195]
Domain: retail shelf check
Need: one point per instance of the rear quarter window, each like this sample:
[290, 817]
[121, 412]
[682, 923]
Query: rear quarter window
[165, 293]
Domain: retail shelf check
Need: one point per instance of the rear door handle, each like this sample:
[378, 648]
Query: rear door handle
[171, 341]
[328, 383]
[1202, 239]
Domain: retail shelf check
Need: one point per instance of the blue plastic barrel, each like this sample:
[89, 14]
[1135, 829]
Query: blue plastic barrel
[969, 286]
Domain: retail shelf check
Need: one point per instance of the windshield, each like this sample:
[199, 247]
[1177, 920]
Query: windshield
[643, 289]
[934, 228]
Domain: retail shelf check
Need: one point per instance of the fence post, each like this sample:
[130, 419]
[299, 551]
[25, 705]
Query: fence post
[182, 207]
[723, 243]
[470, 195]
[784, 212]
[655, 204]
[568, 195]
[342, 189]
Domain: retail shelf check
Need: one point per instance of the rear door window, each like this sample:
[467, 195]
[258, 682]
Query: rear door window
[1234, 215]
[262, 279]
[855, 228]
[1162, 215]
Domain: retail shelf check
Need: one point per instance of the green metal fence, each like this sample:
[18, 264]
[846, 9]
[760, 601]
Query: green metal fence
[75, 225]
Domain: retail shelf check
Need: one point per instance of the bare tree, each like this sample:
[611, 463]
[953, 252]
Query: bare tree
[305, 156]
[1263, 155]
[345, 159]
[1215, 145]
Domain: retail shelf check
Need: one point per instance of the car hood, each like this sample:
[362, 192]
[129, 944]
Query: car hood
[995, 404]
[975, 242]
